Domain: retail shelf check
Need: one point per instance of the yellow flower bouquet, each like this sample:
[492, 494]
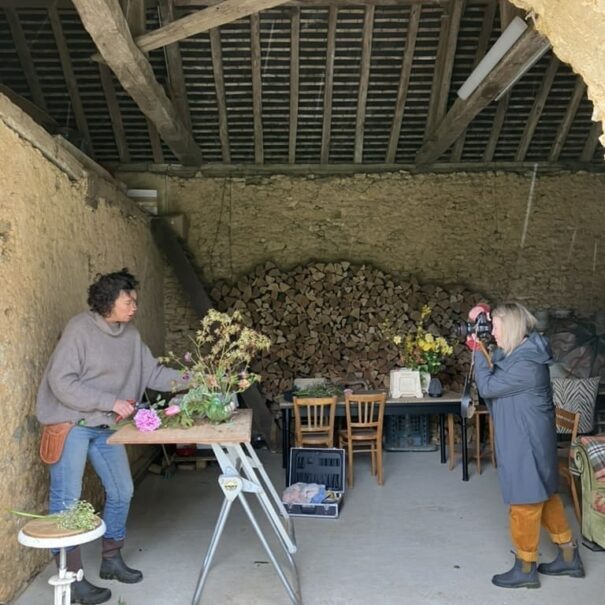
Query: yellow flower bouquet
[420, 349]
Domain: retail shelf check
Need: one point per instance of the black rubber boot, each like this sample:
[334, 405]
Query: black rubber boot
[83, 592]
[113, 566]
[521, 575]
[567, 563]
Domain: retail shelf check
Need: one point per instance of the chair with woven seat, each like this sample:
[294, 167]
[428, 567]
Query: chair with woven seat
[314, 421]
[363, 432]
[567, 424]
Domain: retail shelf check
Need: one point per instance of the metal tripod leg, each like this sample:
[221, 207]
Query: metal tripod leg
[218, 530]
[292, 593]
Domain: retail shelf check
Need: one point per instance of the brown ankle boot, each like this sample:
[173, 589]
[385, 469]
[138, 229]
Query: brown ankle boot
[83, 592]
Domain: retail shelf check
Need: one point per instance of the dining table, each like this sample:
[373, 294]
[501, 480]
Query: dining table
[448, 403]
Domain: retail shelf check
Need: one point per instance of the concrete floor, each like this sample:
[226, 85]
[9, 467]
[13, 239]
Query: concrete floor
[424, 538]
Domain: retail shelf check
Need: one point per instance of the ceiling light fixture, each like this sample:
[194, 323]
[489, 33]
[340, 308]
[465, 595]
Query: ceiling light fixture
[502, 45]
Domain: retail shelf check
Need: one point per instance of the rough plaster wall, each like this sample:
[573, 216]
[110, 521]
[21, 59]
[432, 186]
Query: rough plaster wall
[576, 30]
[51, 245]
[455, 228]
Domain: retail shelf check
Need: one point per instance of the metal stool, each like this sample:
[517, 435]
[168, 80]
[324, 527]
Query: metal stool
[42, 533]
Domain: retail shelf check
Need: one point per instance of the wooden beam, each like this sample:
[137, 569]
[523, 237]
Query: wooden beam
[219, 85]
[590, 145]
[462, 112]
[311, 3]
[364, 80]
[294, 82]
[565, 125]
[242, 170]
[456, 8]
[25, 58]
[202, 21]
[70, 78]
[108, 28]
[507, 13]
[174, 66]
[404, 81]
[484, 37]
[134, 12]
[326, 131]
[431, 116]
[257, 87]
[536, 110]
[497, 124]
[115, 114]
[31, 109]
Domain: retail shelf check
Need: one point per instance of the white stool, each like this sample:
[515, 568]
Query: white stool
[42, 533]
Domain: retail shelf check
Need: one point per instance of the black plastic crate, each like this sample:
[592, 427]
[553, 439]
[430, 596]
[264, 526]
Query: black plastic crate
[325, 466]
[408, 433]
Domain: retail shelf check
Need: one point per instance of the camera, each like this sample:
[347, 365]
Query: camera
[481, 327]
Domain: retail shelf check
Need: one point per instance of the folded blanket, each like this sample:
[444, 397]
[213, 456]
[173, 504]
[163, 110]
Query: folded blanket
[304, 493]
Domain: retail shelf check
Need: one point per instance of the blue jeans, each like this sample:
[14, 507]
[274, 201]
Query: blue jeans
[110, 463]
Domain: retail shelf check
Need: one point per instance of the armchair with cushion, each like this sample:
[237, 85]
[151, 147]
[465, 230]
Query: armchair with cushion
[589, 457]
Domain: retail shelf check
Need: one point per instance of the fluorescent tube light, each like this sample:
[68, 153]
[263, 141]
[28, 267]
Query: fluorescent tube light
[502, 45]
[528, 65]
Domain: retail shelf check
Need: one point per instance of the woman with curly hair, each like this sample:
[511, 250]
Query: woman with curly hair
[99, 367]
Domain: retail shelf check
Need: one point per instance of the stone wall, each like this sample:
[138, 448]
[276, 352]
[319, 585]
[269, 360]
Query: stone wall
[576, 31]
[507, 235]
[55, 235]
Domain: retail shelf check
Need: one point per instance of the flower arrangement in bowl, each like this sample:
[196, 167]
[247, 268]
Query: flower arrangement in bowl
[420, 349]
[216, 369]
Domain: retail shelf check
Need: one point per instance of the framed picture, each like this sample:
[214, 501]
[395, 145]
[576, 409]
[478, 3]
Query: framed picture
[405, 383]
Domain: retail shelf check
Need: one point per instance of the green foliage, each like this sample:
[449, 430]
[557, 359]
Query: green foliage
[79, 516]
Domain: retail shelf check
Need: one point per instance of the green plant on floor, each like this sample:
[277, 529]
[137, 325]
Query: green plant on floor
[80, 516]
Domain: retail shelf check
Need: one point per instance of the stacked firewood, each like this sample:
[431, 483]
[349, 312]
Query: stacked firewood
[334, 319]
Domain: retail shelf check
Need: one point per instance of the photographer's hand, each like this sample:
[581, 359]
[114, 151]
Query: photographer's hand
[477, 310]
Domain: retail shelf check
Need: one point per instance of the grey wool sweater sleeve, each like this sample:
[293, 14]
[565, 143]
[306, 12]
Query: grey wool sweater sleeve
[94, 364]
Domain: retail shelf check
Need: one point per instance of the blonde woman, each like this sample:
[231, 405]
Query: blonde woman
[517, 391]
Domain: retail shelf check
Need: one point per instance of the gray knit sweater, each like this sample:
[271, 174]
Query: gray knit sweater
[94, 364]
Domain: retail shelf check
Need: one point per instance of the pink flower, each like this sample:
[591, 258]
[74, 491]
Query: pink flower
[172, 410]
[147, 420]
[187, 357]
[185, 376]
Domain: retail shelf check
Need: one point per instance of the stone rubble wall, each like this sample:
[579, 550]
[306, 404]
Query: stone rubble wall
[55, 236]
[486, 231]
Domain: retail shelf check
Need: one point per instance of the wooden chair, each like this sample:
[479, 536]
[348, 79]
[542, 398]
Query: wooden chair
[363, 433]
[314, 421]
[567, 424]
[480, 412]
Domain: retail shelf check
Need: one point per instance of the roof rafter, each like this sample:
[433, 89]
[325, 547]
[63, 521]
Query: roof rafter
[462, 112]
[404, 81]
[570, 113]
[364, 79]
[257, 87]
[108, 28]
[202, 21]
[219, 85]
[326, 131]
[294, 82]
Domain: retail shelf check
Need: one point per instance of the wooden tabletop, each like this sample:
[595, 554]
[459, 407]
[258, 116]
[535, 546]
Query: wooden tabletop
[446, 397]
[237, 430]
[48, 528]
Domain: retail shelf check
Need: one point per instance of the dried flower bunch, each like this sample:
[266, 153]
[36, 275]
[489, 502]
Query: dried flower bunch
[80, 516]
[216, 368]
[420, 349]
